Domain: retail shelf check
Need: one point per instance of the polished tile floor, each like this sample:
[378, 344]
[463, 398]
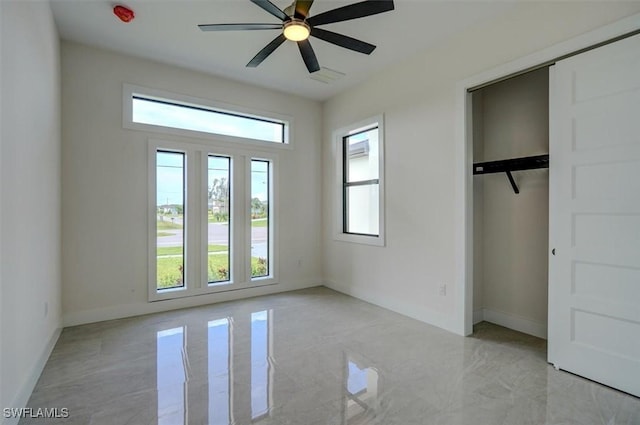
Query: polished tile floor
[311, 357]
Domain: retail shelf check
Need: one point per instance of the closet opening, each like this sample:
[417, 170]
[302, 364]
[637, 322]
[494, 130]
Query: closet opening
[510, 137]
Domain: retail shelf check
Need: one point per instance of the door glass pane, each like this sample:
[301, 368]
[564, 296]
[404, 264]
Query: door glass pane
[362, 156]
[218, 220]
[362, 204]
[170, 228]
[260, 218]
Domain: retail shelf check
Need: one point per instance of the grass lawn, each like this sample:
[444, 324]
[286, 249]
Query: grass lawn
[161, 234]
[259, 222]
[167, 225]
[213, 220]
[169, 274]
[177, 250]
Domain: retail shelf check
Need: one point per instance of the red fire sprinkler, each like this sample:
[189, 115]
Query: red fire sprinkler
[124, 13]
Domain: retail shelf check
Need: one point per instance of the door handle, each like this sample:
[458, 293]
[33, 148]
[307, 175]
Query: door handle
[553, 251]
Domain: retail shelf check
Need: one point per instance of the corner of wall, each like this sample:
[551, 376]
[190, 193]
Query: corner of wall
[24, 393]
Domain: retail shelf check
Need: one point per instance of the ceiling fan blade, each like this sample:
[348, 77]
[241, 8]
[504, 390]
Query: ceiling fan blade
[309, 56]
[352, 11]
[269, 48]
[239, 27]
[271, 8]
[343, 41]
[302, 8]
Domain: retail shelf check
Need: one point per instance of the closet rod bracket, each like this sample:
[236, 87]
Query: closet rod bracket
[513, 183]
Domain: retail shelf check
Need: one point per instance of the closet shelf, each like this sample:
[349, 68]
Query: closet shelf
[509, 165]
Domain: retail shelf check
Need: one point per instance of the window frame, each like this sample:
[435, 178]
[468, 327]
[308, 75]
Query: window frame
[130, 91]
[339, 158]
[196, 220]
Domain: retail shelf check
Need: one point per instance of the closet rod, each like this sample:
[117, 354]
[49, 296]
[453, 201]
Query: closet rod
[509, 165]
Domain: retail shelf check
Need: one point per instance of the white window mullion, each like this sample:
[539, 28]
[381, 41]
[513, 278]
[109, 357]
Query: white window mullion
[274, 257]
[204, 222]
[246, 210]
[240, 234]
[152, 218]
[192, 222]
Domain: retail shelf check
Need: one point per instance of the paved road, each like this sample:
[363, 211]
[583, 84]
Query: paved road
[219, 235]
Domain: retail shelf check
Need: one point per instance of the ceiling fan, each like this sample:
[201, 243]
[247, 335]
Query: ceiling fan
[297, 26]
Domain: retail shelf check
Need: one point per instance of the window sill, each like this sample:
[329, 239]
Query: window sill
[360, 239]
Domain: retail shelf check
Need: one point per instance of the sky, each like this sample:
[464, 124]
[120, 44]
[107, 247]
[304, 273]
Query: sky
[190, 118]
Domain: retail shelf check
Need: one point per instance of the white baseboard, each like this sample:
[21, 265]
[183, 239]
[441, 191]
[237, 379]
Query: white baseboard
[512, 321]
[138, 309]
[427, 316]
[23, 395]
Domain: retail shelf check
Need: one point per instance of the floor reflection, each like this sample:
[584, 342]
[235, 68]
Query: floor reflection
[261, 372]
[224, 392]
[172, 377]
[220, 369]
[361, 391]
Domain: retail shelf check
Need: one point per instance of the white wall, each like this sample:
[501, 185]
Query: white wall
[30, 194]
[105, 184]
[418, 99]
[512, 229]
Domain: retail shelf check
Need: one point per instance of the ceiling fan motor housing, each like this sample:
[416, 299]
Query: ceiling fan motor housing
[296, 30]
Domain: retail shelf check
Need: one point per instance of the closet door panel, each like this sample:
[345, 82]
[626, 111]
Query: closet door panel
[594, 276]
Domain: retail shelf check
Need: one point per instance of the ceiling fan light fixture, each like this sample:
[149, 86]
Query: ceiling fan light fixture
[296, 30]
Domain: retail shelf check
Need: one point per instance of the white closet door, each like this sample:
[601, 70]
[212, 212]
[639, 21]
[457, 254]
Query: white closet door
[594, 276]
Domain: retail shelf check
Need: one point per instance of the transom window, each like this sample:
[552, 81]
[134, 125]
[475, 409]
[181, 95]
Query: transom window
[148, 109]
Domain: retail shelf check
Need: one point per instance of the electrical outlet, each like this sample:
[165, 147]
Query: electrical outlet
[443, 289]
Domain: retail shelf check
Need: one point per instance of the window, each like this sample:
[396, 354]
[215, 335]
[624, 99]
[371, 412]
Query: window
[210, 220]
[147, 109]
[260, 184]
[360, 151]
[219, 219]
[170, 224]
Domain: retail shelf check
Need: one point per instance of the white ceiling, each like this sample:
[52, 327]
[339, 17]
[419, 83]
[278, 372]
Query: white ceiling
[166, 31]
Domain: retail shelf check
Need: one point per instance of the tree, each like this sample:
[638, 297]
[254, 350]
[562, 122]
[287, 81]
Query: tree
[219, 197]
[257, 208]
